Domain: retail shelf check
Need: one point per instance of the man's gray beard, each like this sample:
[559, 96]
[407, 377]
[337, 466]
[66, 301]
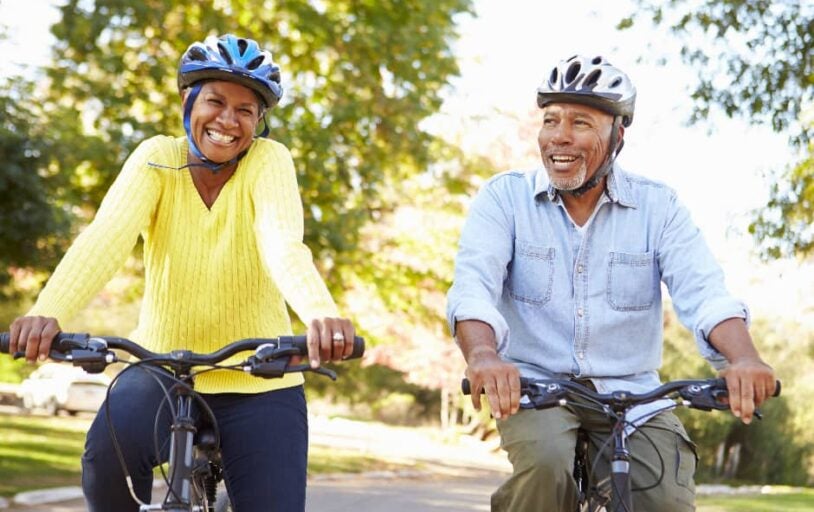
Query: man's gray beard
[569, 183]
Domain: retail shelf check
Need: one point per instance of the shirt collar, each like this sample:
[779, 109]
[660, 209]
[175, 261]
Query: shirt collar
[618, 189]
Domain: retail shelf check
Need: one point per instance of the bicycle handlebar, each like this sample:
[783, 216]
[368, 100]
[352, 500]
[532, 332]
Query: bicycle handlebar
[703, 394]
[93, 353]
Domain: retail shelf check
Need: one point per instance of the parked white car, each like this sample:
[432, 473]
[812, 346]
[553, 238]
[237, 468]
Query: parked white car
[55, 387]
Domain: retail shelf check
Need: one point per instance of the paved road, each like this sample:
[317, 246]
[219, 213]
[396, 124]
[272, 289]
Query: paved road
[429, 493]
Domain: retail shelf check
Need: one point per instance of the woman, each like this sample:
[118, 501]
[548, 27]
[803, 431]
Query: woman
[221, 217]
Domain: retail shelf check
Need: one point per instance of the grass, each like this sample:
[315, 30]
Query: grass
[784, 500]
[38, 452]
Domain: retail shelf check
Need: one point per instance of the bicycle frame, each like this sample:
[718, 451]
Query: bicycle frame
[704, 395]
[181, 455]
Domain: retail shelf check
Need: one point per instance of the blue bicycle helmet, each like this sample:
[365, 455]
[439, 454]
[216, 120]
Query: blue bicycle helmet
[234, 59]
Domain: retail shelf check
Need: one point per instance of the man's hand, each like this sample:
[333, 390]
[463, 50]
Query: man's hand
[33, 335]
[486, 371]
[749, 382]
[500, 381]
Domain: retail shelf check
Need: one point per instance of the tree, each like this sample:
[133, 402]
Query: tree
[360, 76]
[755, 60]
[33, 223]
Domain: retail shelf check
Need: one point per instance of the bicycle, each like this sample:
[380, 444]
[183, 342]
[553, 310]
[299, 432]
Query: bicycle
[194, 467]
[701, 394]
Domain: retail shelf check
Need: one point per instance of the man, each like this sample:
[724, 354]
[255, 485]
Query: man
[559, 274]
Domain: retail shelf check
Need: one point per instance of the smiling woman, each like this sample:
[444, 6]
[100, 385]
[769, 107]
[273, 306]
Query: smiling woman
[222, 124]
[222, 221]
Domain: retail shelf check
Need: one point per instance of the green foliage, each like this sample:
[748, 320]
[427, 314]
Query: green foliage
[783, 226]
[375, 392]
[755, 60]
[32, 226]
[359, 77]
[778, 449]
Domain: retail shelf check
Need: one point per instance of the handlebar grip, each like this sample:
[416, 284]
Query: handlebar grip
[466, 387]
[301, 344]
[721, 383]
[5, 341]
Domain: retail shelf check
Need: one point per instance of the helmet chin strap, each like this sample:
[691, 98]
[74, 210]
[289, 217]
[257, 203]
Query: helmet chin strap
[606, 166]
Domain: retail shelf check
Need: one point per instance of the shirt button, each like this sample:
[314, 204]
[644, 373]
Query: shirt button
[579, 312]
[579, 269]
[581, 354]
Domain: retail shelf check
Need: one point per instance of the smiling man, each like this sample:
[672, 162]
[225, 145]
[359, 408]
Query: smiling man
[559, 274]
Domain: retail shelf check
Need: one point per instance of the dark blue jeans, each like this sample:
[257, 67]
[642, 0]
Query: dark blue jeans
[264, 445]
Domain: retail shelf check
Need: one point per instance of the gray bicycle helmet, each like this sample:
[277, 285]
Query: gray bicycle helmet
[596, 83]
[591, 81]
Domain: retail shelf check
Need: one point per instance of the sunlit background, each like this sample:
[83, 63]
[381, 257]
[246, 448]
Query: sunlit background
[719, 168]
[722, 169]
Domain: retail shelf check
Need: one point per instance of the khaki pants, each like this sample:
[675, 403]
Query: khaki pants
[541, 444]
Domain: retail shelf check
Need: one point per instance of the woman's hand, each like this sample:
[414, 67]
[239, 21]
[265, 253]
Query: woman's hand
[329, 339]
[33, 335]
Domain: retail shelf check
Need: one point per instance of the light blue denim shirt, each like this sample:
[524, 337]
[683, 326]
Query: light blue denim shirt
[586, 303]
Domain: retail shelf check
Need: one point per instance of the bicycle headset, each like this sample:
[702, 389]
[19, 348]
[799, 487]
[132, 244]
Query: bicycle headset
[596, 83]
[232, 59]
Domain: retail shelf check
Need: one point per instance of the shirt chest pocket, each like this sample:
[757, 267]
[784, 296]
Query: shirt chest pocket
[531, 274]
[632, 281]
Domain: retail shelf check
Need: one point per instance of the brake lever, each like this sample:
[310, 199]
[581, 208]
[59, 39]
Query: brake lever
[542, 396]
[705, 398]
[268, 369]
[319, 370]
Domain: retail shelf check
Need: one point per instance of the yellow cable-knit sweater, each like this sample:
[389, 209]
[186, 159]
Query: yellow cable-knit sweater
[212, 276]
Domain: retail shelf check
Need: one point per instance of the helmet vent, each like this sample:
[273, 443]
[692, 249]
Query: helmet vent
[224, 53]
[592, 79]
[616, 83]
[552, 80]
[573, 71]
[597, 60]
[197, 53]
[242, 44]
[255, 63]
